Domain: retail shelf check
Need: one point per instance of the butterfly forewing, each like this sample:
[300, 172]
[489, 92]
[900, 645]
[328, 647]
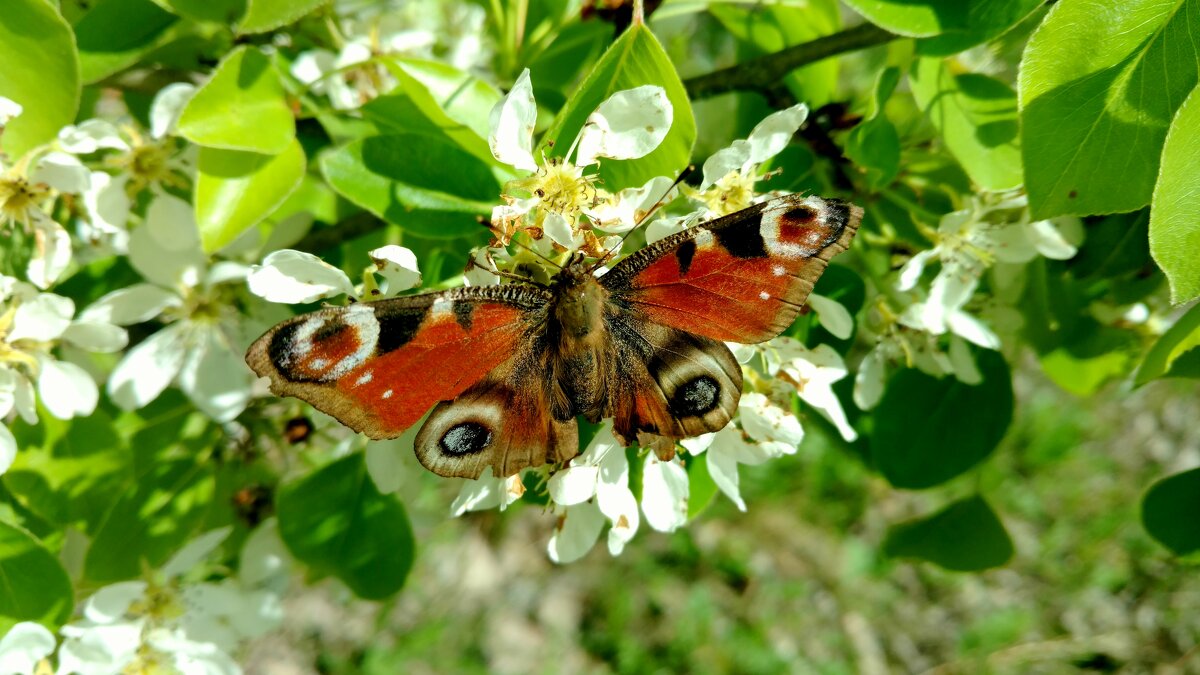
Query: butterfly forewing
[741, 278]
[379, 366]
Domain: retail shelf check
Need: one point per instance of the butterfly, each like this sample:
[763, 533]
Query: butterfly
[507, 369]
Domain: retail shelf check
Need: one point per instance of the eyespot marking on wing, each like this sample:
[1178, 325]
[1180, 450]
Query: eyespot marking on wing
[465, 438]
[696, 397]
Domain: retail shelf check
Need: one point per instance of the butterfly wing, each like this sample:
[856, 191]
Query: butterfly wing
[503, 422]
[742, 278]
[379, 366]
[668, 382]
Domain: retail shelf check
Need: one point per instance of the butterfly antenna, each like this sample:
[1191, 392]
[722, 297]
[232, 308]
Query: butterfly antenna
[485, 223]
[645, 216]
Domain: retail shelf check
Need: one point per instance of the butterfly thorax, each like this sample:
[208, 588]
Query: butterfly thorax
[578, 305]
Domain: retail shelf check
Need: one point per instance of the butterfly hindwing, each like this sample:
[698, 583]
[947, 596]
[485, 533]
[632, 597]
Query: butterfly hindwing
[741, 278]
[379, 366]
[503, 421]
[671, 382]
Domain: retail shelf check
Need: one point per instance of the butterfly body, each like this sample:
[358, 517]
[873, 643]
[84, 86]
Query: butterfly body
[509, 368]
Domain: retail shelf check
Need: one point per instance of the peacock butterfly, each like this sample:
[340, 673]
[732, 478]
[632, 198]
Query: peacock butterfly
[508, 368]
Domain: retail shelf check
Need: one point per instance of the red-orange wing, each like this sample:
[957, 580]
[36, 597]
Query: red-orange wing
[741, 278]
[379, 366]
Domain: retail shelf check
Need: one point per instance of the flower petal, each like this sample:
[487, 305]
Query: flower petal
[723, 466]
[130, 305]
[311, 66]
[664, 494]
[295, 277]
[773, 134]
[869, 381]
[172, 265]
[479, 494]
[66, 389]
[62, 172]
[149, 367]
[52, 251]
[1049, 241]
[559, 229]
[618, 504]
[910, 273]
[24, 400]
[724, 162]
[574, 484]
[90, 136]
[168, 106]
[24, 645]
[8, 110]
[264, 559]
[576, 534]
[107, 202]
[110, 603]
[630, 124]
[833, 315]
[214, 376]
[966, 326]
[512, 122]
[762, 420]
[482, 272]
[96, 336]
[172, 223]
[8, 452]
[195, 551]
[398, 265]
[42, 318]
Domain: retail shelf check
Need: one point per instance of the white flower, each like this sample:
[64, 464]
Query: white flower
[24, 192]
[600, 474]
[296, 277]
[812, 372]
[628, 125]
[578, 528]
[773, 432]
[161, 622]
[619, 213]
[487, 492]
[194, 349]
[31, 325]
[730, 174]
[27, 643]
[664, 493]
[144, 162]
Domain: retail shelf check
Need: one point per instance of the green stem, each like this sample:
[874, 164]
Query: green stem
[764, 72]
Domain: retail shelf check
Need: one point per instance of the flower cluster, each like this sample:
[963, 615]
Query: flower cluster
[161, 624]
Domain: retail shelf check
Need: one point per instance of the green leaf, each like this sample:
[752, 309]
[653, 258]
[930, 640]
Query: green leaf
[69, 472]
[1169, 512]
[236, 190]
[212, 11]
[1175, 354]
[766, 28]
[959, 23]
[702, 490]
[965, 537]
[1113, 246]
[114, 34]
[150, 521]
[1175, 211]
[35, 586]
[40, 71]
[418, 183]
[977, 117]
[960, 424]
[337, 522]
[413, 107]
[241, 108]
[464, 98]
[1100, 83]
[267, 15]
[635, 59]
[874, 144]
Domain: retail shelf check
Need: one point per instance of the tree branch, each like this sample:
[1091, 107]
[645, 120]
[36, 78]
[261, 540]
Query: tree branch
[764, 72]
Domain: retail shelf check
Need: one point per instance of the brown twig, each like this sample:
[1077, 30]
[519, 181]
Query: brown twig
[764, 72]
